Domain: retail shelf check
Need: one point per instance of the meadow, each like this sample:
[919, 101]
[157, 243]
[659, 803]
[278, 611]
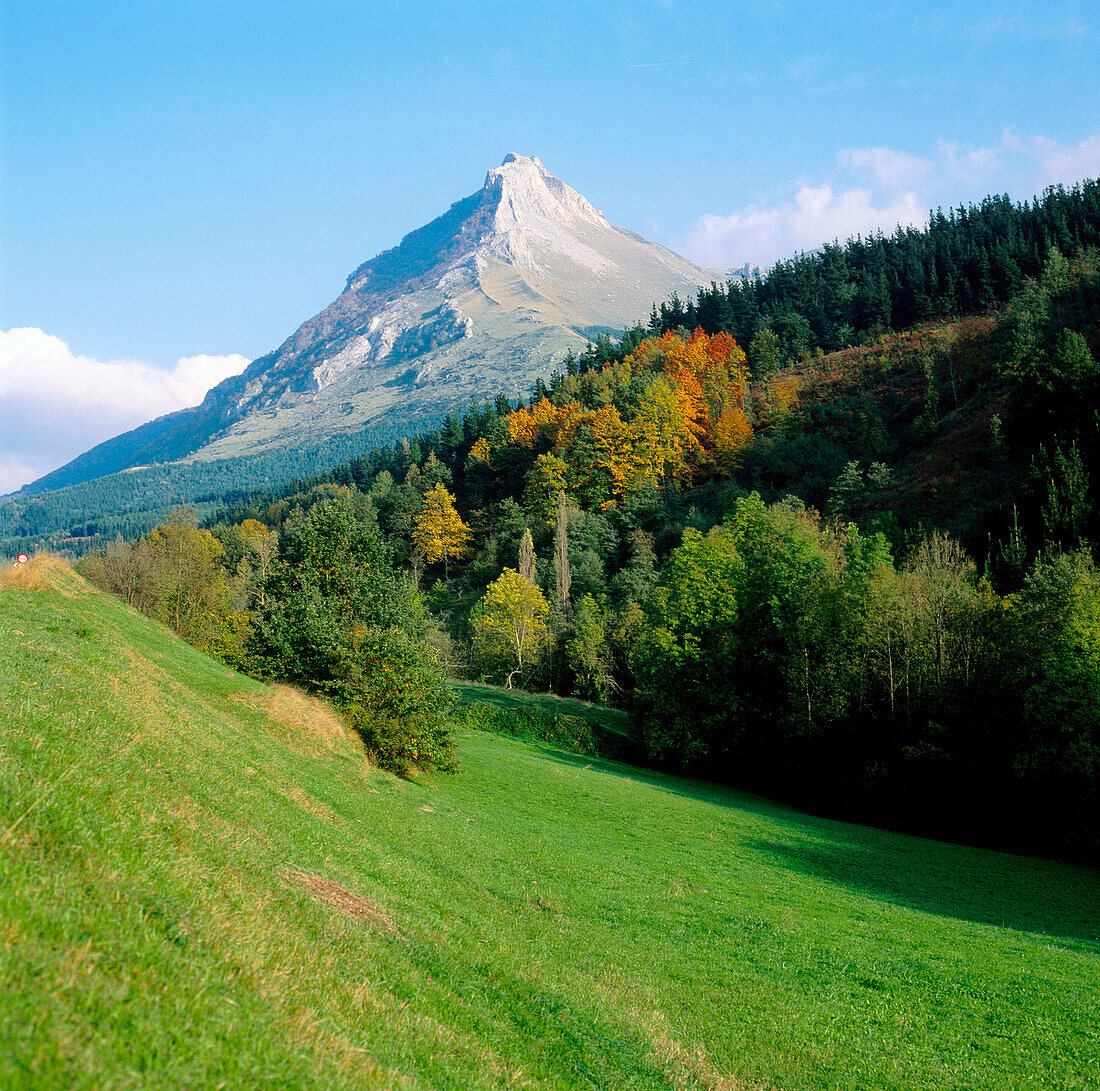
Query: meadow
[203, 882]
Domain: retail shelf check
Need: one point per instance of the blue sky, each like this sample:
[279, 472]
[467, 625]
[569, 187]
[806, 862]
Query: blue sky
[194, 180]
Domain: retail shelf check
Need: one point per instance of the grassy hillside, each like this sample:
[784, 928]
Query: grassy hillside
[566, 722]
[203, 884]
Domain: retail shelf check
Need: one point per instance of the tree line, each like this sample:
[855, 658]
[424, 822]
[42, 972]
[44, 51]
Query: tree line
[664, 511]
[77, 516]
[964, 262]
[807, 664]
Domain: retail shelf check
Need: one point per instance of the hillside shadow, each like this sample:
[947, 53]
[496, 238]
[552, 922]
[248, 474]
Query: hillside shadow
[718, 795]
[1027, 894]
[520, 699]
[1023, 893]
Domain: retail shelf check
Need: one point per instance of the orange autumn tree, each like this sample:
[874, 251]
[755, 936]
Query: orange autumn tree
[725, 378]
[523, 429]
[673, 408]
[709, 377]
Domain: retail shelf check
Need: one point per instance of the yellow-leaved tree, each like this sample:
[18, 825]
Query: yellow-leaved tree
[438, 530]
[510, 624]
[479, 452]
[731, 434]
[661, 436]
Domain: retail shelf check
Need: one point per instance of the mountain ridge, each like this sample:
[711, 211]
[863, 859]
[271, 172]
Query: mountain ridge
[481, 300]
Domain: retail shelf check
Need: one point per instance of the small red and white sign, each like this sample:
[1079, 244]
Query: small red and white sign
[21, 559]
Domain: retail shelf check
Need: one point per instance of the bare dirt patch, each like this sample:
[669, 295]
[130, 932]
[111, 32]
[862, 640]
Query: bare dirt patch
[330, 892]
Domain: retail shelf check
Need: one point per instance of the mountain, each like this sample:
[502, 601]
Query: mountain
[482, 300]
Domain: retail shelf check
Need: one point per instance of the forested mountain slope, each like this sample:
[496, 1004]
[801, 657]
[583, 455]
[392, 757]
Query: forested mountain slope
[478, 302]
[915, 400]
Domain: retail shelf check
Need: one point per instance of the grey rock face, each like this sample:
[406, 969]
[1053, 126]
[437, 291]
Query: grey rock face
[480, 301]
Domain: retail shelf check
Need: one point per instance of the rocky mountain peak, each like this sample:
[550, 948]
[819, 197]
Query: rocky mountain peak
[530, 197]
[482, 300]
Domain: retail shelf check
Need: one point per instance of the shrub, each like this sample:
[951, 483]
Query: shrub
[338, 620]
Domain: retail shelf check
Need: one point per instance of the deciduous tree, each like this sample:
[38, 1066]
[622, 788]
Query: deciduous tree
[438, 529]
[510, 624]
[562, 576]
[527, 556]
[339, 620]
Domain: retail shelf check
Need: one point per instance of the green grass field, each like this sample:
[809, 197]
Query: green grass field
[203, 885]
[610, 718]
[562, 722]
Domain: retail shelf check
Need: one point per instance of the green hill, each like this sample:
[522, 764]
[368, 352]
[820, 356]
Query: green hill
[202, 883]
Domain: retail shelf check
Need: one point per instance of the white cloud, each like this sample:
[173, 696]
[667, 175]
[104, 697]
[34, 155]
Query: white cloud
[14, 473]
[966, 166]
[890, 168]
[55, 405]
[1061, 164]
[879, 188]
[816, 215]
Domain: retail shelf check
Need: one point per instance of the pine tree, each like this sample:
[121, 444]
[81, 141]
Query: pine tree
[847, 494]
[765, 357]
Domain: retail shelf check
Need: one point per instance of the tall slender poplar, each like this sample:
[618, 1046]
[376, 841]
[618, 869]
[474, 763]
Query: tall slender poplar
[562, 577]
[527, 557]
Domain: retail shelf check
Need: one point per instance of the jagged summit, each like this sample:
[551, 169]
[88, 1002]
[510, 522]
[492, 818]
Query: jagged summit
[529, 196]
[520, 201]
[482, 300]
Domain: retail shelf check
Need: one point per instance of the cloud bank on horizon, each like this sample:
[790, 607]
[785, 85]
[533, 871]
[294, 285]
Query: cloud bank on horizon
[55, 404]
[878, 189]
